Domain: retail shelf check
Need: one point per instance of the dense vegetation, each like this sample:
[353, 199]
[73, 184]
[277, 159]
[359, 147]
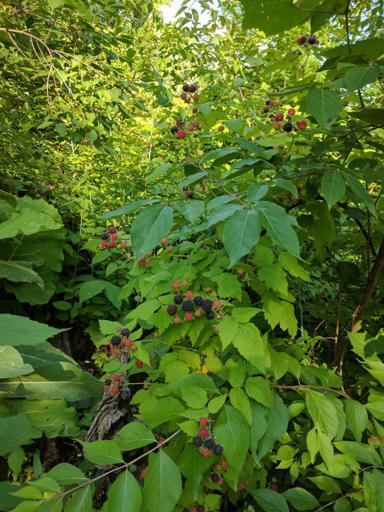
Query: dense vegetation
[192, 250]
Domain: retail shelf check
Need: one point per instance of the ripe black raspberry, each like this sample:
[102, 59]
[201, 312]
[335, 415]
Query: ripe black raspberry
[268, 102]
[125, 331]
[174, 130]
[104, 235]
[107, 382]
[218, 449]
[188, 305]
[185, 88]
[288, 127]
[210, 315]
[302, 40]
[192, 88]
[198, 301]
[115, 340]
[312, 40]
[178, 299]
[200, 508]
[209, 443]
[197, 441]
[207, 305]
[215, 478]
[172, 309]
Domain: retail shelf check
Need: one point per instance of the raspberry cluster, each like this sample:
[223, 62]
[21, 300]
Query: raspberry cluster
[288, 125]
[179, 130]
[120, 345]
[303, 40]
[205, 441]
[109, 239]
[191, 306]
[146, 260]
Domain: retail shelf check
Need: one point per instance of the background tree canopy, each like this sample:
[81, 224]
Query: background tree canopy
[192, 256]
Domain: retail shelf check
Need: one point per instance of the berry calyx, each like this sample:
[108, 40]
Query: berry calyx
[188, 294]
[172, 309]
[203, 432]
[302, 40]
[279, 116]
[217, 449]
[178, 299]
[301, 125]
[203, 422]
[312, 39]
[184, 282]
[205, 452]
[188, 316]
[139, 363]
[288, 127]
[115, 340]
[197, 441]
[177, 320]
[133, 347]
[217, 304]
[291, 111]
[188, 306]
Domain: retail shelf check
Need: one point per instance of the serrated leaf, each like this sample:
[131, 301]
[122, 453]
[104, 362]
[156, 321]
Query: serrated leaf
[124, 495]
[241, 233]
[324, 105]
[279, 226]
[102, 452]
[20, 330]
[270, 500]
[332, 187]
[162, 484]
[149, 227]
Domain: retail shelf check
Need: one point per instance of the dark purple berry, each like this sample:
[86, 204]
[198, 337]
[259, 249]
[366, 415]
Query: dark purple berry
[288, 127]
[207, 305]
[302, 40]
[178, 299]
[218, 449]
[185, 88]
[198, 301]
[107, 382]
[210, 315]
[104, 235]
[172, 309]
[180, 122]
[197, 441]
[112, 230]
[268, 102]
[124, 332]
[266, 109]
[186, 509]
[200, 508]
[312, 40]
[174, 130]
[188, 305]
[209, 443]
[115, 340]
[215, 478]
[192, 88]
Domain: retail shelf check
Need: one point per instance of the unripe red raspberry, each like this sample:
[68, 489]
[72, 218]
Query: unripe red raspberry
[302, 40]
[217, 304]
[112, 244]
[191, 127]
[103, 244]
[195, 110]
[203, 422]
[204, 432]
[181, 134]
[276, 125]
[114, 390]
[183, 96]
[291, 111]
[139, 363]
[301, 124]
[127, 342]
[111, 230]
[114, 236]
[106, 389]
[188, 316]
[164, 241]
[176, 285]
[177, 320]
[124, 245]
[116, 378]
[205, 452]
[279, 116]
[189, 294]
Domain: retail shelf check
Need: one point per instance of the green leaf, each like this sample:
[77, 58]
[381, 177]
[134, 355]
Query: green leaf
[324, 105]
[241, 233]
[191, 210]
[129, 208]
[221, 213]
[359, 190]
[257, 191]
[228, 285]
[270, 500]
[67, 474]
[272, 17]
[250, 344]
[326, 484]
[216, 404]
[102, 452]
[301, 499]
[277, 424]
[322, 412]
[286, 185]
[157, 411]
[134, 435]
[90, 289]
[228, 330]
[359, 76]
[81, 500]
[332, 187]
[259, 389]
[16, 460]
[357, 417]
[12, 364]
[124, 495]
[194, 396]
[162, 484]
[20, 330]
[240, 401]
[20, 272]
[279, 226]
[232, 432]
[14, 431]
[193, 466]
[149, 227]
